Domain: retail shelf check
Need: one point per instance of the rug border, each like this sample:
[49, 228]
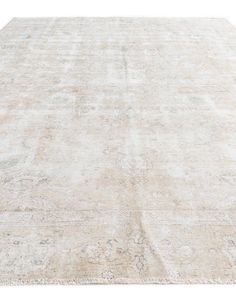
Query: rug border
[101, 281]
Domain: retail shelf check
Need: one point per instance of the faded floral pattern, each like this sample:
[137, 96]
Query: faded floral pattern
[117, 151]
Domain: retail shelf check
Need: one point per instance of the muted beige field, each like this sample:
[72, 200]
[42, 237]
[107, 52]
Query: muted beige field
[117, 151]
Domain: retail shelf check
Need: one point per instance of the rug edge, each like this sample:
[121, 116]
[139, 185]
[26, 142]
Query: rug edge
[101, 281]
[7, 24]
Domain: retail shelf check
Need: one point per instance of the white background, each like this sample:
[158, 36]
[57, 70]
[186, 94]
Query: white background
[146, 8]
[154, 8]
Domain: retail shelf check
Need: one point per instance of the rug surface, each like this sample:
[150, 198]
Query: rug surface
[117, 151]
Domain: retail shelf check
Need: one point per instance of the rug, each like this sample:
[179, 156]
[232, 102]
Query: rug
[117, 151]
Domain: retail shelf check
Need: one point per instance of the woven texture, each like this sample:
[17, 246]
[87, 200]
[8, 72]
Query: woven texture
[117, 151]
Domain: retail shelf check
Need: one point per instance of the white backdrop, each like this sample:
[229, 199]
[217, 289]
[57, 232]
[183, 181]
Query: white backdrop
[160, 8]
[146, 8]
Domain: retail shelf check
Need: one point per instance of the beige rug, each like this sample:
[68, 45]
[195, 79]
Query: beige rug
[117, 151]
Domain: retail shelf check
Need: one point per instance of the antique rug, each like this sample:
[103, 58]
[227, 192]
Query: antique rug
[117, 151]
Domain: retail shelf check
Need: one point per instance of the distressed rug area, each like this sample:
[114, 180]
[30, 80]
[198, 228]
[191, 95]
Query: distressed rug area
[117, 151]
